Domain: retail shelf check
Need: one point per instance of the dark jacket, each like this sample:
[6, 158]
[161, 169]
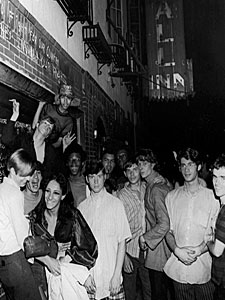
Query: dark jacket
[71, 227]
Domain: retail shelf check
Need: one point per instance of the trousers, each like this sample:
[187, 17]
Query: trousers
[139, 276]
[17, 278]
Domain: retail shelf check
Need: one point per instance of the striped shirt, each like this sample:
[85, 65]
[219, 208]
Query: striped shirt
[134, 206]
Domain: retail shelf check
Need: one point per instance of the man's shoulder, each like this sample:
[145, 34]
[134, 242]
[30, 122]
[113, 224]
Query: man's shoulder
[175, 193]
[124, 191]
[162, 186]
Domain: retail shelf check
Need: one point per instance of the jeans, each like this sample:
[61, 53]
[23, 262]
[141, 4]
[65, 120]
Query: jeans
[140, 274]
[16, 277]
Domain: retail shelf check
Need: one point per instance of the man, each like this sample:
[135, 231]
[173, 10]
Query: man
[109, 163]
[33, 192]
[36, 143]
[15, 271]
[192, 211]
[122, 157]
[157, 223]
[75, 158]
[107, 219]
[217, 245]
[132, 196]
[59, 111]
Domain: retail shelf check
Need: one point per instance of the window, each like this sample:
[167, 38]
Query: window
[116, 17]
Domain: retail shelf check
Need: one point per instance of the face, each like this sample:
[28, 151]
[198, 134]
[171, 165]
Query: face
[65, 102]
[74, 163]
[121, 158]
[146, 168]
[96, 181]
[35, 181]
[45, 128]
[219, 181]
[189, 169]
[53, 195]
[19, 179]
[133, 174]
[108, 162]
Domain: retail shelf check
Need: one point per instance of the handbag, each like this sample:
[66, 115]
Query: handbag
[40, 243]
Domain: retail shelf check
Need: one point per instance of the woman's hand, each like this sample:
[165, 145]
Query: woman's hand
[90, 285]
[53, 265]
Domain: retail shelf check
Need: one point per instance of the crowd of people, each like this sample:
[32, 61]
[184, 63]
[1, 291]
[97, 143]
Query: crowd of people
[126, 226]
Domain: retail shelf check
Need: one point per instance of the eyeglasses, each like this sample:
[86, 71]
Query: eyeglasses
[189, 165]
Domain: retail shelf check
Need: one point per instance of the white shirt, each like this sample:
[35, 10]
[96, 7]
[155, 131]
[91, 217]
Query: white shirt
[191, 216]
[14, 226]
[105, 214]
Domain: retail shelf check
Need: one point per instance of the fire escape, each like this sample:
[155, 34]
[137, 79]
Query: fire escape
[122, 57]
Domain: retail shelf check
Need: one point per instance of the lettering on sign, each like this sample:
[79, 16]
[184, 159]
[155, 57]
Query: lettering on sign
[18, 30]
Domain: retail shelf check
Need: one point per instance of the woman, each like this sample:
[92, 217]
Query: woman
[76, 243]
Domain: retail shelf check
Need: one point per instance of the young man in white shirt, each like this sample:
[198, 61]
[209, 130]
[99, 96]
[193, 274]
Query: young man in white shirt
[15, 272]
[105, 214]
[192, 210]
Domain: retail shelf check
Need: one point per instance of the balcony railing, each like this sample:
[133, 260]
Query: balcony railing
[95, 41]
[119, 56]
[76, 10]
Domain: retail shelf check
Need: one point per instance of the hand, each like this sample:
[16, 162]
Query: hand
[41, 103]
[142, 243]
[53, 266]
[198, 250]
[127, 264]
[114, 285]
[68, 139]
[90, 285]
[16, 110]
[185, 255]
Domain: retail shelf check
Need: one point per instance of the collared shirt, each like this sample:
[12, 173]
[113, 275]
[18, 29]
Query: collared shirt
[191, 216]
[133, 201]
[14, 226]
[105, 214]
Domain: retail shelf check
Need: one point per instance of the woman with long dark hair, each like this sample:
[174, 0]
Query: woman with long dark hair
[76, 243]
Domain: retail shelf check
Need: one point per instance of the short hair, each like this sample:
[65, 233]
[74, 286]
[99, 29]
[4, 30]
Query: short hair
[66, 90]
[60, 179]
[108, 151]
[219, 162]
[131, 161]
[94, 167]
[22, 163]
[74, 147]
[38, 166]
[146, 154]
[49, 119]
[189, 153]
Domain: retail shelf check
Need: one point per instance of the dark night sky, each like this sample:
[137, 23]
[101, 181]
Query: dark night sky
[200, 123]
[205, 43]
